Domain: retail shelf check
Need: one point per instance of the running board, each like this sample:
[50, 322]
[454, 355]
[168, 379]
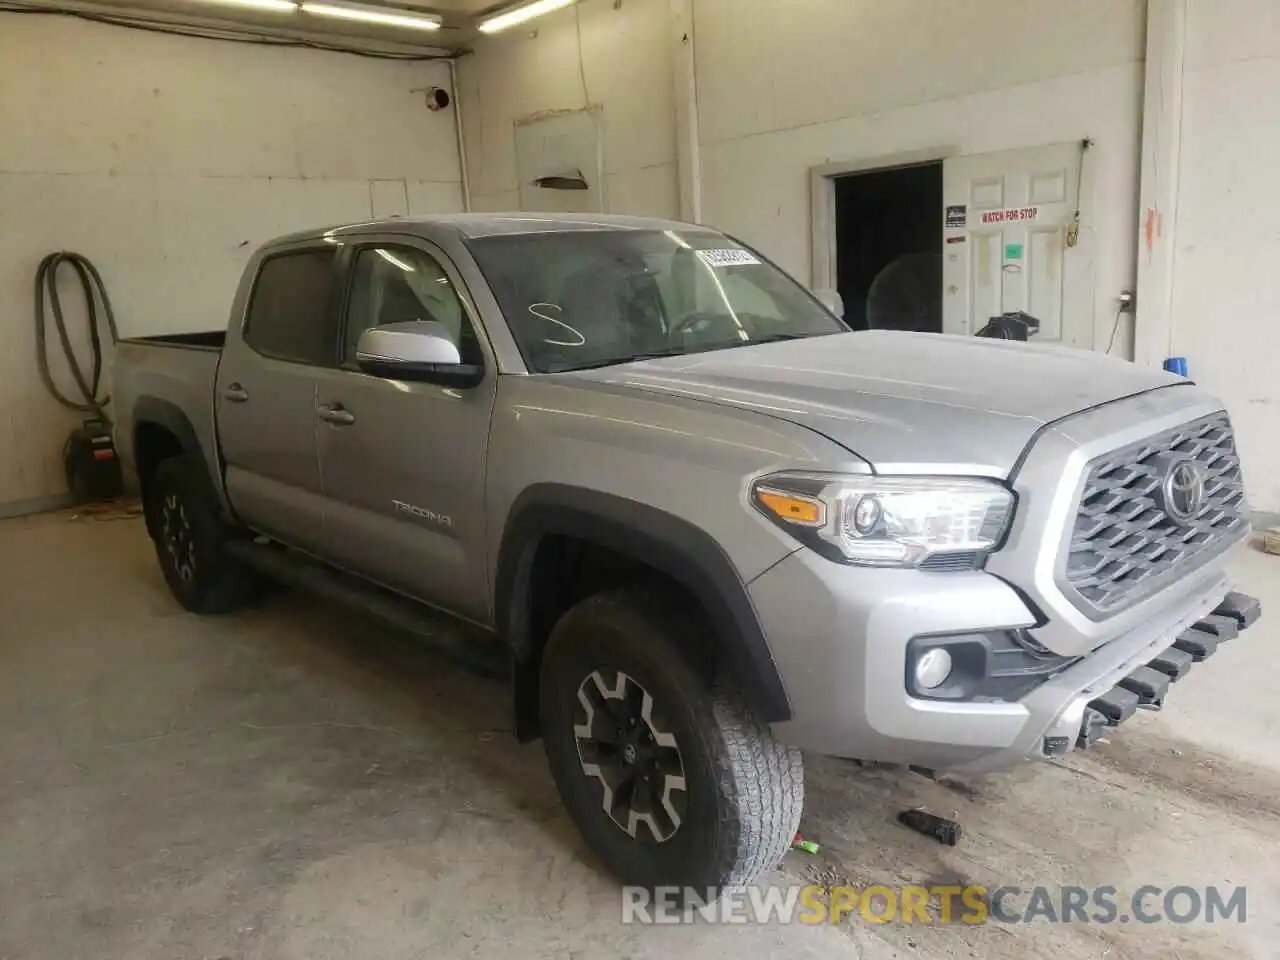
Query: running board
[456, 639]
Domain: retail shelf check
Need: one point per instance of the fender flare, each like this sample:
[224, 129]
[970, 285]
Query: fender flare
[661, 540]
[162, 413]
[170, 416]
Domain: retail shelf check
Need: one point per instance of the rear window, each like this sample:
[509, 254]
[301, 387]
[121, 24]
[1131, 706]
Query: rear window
[291, 315]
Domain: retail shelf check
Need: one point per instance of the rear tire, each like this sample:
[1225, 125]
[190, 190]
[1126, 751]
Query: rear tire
[189, 536]
[671, 780]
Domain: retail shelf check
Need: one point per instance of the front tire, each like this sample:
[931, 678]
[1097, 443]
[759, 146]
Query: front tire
[189, 536]
[671, 780]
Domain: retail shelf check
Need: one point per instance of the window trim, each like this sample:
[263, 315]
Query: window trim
[353, 245]
[275, 254]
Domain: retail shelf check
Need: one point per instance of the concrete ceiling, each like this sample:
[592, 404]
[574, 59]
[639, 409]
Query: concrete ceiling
[458, 31]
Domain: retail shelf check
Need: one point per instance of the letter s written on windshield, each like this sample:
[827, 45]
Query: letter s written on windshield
[580, 339]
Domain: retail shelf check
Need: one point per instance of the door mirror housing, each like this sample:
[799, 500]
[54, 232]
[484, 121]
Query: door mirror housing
[419, 350]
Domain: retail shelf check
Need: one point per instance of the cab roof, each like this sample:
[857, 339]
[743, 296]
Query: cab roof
[469, 226]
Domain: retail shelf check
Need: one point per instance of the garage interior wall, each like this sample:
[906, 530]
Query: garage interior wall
[1224, 225]
[597, 53]
[779, 93]
[166, 160]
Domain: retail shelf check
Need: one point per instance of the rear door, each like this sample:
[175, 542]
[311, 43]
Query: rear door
[266, 395]
[403, 462]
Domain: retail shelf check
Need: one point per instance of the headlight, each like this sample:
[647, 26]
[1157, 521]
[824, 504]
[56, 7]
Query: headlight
[888, 521]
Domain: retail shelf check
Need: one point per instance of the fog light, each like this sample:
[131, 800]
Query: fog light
[933, 668]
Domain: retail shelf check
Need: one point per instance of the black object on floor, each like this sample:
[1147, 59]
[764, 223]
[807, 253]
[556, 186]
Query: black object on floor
[1010, 326]
[945, 831]
[90, 461]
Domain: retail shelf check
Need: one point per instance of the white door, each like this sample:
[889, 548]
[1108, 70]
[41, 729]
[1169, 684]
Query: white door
[1006, 229]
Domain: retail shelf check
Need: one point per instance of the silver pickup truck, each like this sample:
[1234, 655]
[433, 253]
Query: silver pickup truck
[700, 523]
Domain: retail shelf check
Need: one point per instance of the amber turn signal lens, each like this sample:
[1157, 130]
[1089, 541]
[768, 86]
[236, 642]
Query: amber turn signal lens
[793, 508]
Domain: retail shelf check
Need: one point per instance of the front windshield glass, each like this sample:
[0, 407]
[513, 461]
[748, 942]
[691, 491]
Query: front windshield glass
[590, 298]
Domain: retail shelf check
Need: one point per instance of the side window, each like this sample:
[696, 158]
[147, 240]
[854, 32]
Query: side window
[395, 284]
[291, 315]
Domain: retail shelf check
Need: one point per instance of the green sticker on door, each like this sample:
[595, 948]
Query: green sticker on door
[1013, 251]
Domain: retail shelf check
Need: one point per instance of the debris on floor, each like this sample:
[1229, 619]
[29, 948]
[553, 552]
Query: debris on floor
[125, 508]
[945, 831]
[803, 845]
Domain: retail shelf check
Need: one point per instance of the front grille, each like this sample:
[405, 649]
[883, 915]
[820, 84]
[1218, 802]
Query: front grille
[1123, 545]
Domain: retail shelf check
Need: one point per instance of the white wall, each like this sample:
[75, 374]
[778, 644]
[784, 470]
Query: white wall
[166, 161]
[854, 79]
[621, 66]
[782, 89]
[1225, 313]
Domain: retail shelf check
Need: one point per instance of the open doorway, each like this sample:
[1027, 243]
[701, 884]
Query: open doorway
[888, 233]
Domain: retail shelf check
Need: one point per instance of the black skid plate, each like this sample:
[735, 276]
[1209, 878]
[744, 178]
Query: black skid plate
[1147, 686]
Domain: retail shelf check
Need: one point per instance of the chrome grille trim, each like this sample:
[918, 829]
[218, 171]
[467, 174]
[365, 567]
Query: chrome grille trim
[1122, 546]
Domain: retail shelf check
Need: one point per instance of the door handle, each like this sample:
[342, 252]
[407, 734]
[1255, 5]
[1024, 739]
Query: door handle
[235, 393]
[335, 414]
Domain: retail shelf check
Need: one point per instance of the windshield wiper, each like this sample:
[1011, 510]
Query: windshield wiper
[768, 338]
[685, 352]
[632, 358]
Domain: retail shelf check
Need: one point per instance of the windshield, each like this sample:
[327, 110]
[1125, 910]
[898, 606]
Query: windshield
[588, 298]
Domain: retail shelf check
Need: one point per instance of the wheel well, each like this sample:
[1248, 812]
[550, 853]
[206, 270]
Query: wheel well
[152, 445]
[564, 571]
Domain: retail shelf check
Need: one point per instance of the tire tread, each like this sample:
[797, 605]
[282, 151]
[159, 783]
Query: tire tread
[767, 791]
[759, 781]
[226, 585]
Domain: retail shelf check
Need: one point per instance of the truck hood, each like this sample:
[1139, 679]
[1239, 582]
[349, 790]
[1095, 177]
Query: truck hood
[904, 402]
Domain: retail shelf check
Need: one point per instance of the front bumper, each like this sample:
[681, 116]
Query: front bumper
[839, 637]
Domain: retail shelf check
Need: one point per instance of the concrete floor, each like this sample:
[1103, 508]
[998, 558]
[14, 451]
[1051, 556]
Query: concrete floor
[291, 782]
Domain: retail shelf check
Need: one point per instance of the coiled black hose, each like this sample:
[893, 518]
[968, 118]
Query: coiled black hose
[95, 294]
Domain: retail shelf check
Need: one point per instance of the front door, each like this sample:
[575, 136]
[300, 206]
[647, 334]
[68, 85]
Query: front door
[265, 396]
[1010, 242]
[403, 463]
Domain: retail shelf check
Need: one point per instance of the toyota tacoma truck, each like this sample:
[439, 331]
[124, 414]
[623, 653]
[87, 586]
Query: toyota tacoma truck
[700, 523]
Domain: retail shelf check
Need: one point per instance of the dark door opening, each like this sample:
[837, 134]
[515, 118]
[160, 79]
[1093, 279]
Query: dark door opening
[889, 248]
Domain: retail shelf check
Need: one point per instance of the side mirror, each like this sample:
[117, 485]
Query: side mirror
[417, 350]
[832, 300]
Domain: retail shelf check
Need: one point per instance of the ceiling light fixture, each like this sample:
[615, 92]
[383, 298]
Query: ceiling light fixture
[275, 6]
[519, 15]
[380, 15]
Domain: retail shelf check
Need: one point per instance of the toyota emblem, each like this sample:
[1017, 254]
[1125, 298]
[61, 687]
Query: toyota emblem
[1182, 491]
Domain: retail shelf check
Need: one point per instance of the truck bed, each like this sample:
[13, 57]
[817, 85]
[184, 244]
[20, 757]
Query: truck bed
[177, 372]
[205, 340]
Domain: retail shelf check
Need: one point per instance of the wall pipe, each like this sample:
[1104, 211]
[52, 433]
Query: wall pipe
[462, 146]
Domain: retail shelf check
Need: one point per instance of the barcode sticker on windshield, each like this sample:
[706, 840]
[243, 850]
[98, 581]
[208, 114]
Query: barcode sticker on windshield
[727, 258]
